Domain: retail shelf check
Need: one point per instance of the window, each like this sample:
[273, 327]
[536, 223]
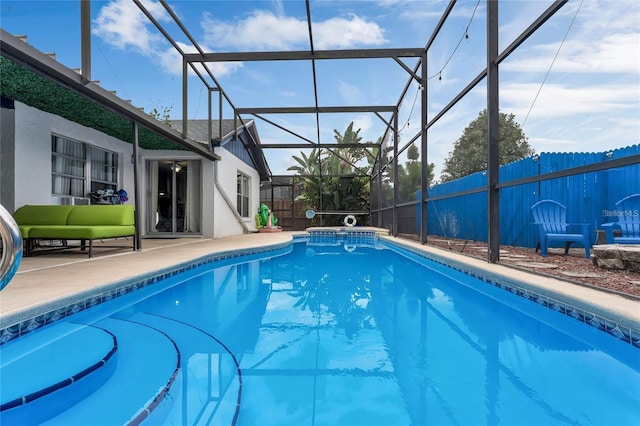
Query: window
[243, 194]
[67, 167]
[78, 168]
[104, 169]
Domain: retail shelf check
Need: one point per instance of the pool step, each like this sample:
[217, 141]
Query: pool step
[209, 387]
[140, 354]
[47, 371]
[148, 361]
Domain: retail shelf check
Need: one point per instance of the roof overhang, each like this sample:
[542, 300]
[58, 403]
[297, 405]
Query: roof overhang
[20, 52]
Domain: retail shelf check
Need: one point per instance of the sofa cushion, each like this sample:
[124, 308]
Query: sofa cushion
[42, 215]
[96, 215]
[81, 232]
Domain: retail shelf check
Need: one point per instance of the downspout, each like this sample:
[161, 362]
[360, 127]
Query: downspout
[227, 200]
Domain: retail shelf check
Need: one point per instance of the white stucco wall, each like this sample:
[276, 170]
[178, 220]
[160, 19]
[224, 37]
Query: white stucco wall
[33, 130]
[7, 158]
[225, 221]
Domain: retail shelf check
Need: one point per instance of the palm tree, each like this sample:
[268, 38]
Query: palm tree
[309, 168]
[328, 181]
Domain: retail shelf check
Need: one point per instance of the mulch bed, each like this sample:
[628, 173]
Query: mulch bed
[573, 267]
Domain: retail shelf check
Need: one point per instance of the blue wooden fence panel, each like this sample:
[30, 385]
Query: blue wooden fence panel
[459, 217]
[619, 182]
[588, 197]
[516, 226]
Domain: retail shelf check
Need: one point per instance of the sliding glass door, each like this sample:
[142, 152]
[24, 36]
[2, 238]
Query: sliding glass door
[174, 198]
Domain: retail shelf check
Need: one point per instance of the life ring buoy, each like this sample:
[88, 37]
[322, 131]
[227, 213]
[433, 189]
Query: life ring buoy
[350, 220]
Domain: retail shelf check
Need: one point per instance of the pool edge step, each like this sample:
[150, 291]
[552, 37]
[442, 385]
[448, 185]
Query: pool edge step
[58, 376]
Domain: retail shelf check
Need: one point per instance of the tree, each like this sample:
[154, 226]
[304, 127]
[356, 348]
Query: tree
[345, 159]
[469, 153]
[410, 175]
[309, 186]
[163, 115]
[325, 184]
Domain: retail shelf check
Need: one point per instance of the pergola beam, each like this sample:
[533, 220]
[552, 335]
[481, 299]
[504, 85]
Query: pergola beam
[314, 110]
[301, 55]
[320, 145]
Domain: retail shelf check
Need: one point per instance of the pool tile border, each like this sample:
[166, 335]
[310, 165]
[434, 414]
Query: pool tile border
[121, 288]
[623, 333]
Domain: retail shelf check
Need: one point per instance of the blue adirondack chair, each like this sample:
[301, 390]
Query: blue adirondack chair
[628, 213]
[551, 218]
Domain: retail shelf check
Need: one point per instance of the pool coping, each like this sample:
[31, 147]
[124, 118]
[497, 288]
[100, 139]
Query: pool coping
[611, 313]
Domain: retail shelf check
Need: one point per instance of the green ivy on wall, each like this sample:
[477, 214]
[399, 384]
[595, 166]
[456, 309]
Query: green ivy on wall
[21, 84]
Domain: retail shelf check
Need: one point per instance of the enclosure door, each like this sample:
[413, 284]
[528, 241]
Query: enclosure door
[174, 198]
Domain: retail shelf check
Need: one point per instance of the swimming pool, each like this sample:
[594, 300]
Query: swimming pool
[323, 332]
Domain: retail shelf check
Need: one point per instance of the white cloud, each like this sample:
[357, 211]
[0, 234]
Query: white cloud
[365, 124]
[604, 16]
[591, 99]
[171, 62]
[263, 30]
[613, 53]
[122, 24]
[340, 33]
[259, 31]
[556, 100]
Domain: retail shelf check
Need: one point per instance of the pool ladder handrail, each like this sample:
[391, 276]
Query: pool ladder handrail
[11, 247]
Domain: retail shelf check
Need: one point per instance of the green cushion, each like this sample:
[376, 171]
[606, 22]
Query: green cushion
[42, 215]
[118, 214]
[81, 232]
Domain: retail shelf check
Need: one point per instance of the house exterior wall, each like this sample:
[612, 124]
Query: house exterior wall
[7, 157]
[225, 221]
[33, 130]
[206, 187]
[28, 140]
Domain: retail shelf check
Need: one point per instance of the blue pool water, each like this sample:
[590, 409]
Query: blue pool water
[320, 334]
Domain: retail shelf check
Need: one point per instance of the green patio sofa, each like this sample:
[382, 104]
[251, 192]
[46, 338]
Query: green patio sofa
[76, 223]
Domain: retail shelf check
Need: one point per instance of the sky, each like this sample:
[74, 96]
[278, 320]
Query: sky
[574, 86]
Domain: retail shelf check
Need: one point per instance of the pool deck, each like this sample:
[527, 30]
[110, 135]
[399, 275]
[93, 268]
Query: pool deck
[45, 281]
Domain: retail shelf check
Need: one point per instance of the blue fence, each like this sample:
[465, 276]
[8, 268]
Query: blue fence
[588, 196]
